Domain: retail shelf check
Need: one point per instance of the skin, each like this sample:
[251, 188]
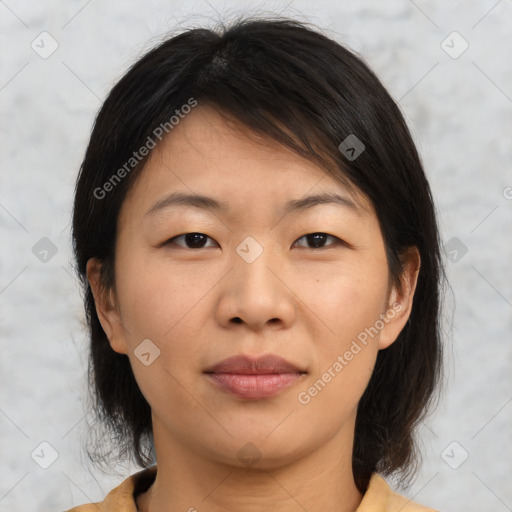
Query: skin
[305, 304]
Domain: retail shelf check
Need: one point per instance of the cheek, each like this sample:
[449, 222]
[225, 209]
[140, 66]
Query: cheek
[161, 304]
[347, 299]
[159, 297]
[349, 306]
[331, 396]
[166, 304]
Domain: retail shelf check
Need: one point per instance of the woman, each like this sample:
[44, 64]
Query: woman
[260, 257]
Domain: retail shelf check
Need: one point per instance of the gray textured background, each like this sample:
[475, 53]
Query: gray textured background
[459, 110]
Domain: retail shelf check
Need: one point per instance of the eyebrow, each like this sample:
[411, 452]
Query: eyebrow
[176, 199]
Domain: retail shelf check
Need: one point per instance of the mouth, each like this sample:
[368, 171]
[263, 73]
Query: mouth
[254, 378]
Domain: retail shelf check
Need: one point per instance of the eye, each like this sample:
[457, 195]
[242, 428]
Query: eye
[317, 240]
[192, 240]
[198, 240]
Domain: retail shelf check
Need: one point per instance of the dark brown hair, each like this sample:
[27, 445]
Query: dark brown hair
[287, 81]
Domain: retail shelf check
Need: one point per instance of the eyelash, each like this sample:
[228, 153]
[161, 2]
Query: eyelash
[338, 241]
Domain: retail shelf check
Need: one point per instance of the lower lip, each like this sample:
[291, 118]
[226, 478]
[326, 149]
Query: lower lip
[254, 386]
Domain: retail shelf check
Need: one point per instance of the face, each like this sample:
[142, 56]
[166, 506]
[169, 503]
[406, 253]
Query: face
[252, 278]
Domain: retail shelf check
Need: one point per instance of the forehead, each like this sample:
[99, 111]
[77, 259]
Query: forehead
[211, 155]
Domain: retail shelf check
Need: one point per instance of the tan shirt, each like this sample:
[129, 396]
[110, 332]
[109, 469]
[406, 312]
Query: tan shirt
[378, 497]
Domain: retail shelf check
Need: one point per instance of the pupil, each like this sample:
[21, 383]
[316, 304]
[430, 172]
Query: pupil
[193, 238]
[317, 237]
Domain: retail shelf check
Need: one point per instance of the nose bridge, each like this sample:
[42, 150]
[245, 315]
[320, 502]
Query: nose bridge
[253, 259]
[259, 294]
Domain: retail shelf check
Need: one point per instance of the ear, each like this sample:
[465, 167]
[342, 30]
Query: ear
[400, 302]
[106, 309]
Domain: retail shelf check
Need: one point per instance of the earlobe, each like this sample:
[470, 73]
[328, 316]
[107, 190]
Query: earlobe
[400, 301]
[106, 309]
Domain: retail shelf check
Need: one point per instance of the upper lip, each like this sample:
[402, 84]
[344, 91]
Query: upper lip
[247, 365]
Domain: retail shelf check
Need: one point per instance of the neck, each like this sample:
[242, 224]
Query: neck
[318, 481]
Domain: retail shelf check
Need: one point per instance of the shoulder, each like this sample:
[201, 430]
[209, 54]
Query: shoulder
[380, 498]
[121, 498]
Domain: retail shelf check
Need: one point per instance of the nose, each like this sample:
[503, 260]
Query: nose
[257, 293]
